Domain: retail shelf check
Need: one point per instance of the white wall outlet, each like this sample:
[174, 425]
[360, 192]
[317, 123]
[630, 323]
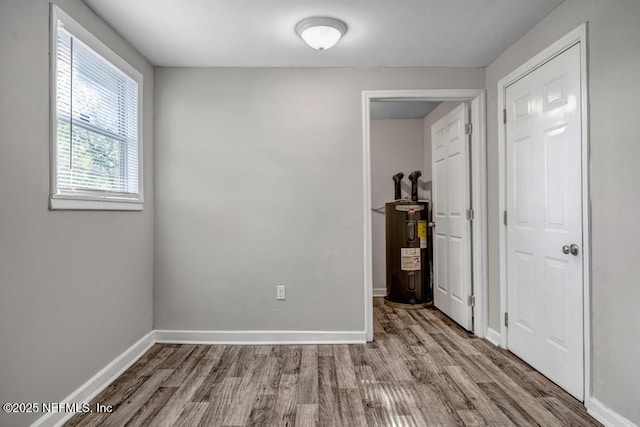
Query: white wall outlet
[281, 292]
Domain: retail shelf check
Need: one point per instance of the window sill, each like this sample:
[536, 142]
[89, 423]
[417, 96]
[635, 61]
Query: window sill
[95, 205]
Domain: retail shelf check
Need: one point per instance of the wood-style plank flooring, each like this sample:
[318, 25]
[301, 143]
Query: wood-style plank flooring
[421, 370]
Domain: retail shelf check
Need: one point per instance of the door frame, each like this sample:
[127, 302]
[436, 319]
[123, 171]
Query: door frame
[577, 36]
[478, 156]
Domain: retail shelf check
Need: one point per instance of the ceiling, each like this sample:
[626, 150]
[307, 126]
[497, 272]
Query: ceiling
[401, 109]
[259, 33]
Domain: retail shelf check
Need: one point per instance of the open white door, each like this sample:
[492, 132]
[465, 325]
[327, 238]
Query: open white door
[544, 220]
[452, 226]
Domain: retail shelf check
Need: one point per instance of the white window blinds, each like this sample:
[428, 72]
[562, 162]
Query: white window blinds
[96, 139]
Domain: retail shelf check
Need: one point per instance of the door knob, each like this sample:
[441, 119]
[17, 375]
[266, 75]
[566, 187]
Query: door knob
[432, 224]
[570, 249]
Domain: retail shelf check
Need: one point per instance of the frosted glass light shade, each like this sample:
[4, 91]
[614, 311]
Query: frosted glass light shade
[321, 38]
[321, 33]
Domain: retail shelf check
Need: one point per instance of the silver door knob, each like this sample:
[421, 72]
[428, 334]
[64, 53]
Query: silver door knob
[432, 224]
[570, 249]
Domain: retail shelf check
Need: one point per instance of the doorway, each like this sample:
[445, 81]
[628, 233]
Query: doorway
[544, 238]
[477, 154]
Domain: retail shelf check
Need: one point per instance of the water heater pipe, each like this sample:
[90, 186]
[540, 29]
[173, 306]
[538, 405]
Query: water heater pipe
[397, 180]
[413, 177]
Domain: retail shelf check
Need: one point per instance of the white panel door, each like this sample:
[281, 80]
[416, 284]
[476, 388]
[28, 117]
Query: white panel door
[452, 231]
[544, 208]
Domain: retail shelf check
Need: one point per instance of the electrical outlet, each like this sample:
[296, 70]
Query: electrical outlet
[281, 292]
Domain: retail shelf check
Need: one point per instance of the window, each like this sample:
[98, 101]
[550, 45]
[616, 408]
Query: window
[96, 124]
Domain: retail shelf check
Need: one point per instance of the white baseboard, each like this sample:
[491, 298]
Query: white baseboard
[99, 381]
[606, 415]
[379, 292]
[493, 337]
[260, 337]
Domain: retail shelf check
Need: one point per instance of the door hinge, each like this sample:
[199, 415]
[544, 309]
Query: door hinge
[504, 217]
[471, 301]
[506, 319]
[504, 116]
[470, 214]
[468, 128]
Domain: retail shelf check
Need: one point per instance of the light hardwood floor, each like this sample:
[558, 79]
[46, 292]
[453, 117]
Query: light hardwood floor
[421, 370]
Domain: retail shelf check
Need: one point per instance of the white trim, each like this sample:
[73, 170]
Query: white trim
[480, 271]
[368, 247]
[99, 381]
[477, 98]
[379, 292]
[259, 337]
[586, 211]
[606, 415]
[84, 35]
[577, 36]
[94, 205]
[493, 337]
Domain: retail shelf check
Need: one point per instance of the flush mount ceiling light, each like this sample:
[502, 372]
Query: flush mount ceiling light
[321, 33]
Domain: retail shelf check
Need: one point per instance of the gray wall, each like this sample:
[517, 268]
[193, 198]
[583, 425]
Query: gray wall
[396, 146]
[260, 178]
[61, 324]
[614, 91]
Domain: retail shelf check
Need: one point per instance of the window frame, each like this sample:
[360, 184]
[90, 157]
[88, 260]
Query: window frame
[89, 200]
